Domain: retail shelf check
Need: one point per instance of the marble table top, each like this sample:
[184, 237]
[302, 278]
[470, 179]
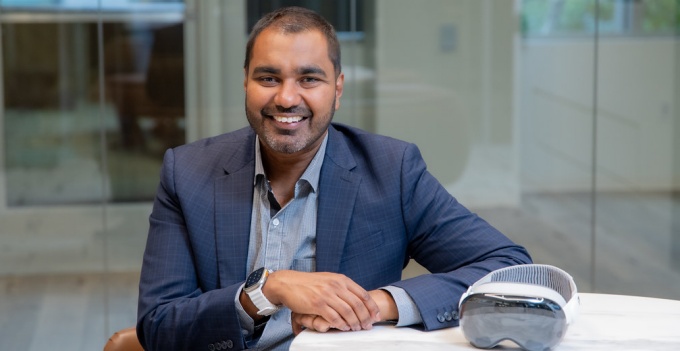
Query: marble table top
[605, 322]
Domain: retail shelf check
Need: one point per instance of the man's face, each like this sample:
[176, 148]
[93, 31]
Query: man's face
[291, 90]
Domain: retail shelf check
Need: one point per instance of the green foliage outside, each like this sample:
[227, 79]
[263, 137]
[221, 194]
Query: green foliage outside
[612, 17]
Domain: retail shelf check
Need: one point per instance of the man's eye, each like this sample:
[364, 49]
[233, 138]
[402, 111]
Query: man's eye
[267, 80]
[310, 80]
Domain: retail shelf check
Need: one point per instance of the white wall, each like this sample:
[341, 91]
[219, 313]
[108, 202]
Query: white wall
[444, 77]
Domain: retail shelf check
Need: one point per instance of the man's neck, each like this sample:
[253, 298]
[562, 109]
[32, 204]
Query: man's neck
[284, 170]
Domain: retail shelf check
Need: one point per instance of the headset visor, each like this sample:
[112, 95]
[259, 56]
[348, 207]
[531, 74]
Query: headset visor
[535, 324]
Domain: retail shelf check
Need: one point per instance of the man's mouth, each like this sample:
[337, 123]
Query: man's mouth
[288, 119]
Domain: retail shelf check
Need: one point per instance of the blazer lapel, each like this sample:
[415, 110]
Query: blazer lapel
[233, 206]
[337, 193]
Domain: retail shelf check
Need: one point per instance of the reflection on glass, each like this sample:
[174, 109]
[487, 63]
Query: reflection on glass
[144, 84]
[53, 121]
[594, 109]
[81, 131]
[51, 117]
[612, 17]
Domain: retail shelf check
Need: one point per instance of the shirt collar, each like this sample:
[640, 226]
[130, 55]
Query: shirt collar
[311, 174]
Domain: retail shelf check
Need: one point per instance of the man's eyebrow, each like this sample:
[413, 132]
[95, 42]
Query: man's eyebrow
[304, 70]
[266, 69]
[312, 69]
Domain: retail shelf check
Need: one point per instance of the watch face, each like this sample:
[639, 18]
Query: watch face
[254, 277]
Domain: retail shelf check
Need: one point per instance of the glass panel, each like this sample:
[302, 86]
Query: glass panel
[144, 84]
[51, 263]
[556, 121]
[631, 73]
[73, 144]
[51, 118]
[637, 147]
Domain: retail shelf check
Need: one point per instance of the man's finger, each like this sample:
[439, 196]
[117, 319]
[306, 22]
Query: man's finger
[298, 322]
[321, 325]
[301, 322]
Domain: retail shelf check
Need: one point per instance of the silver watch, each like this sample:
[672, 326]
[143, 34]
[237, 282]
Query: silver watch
[253, 288]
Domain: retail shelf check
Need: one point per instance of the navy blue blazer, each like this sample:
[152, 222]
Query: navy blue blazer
[378, 207]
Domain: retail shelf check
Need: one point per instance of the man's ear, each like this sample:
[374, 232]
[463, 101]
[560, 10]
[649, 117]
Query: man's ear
[339, 86]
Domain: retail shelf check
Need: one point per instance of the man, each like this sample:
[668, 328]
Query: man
[299, 223]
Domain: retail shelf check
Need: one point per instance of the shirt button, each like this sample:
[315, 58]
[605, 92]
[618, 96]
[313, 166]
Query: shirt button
[275, 222]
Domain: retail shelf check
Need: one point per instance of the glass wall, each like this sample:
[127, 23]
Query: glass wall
[557, 121]
[599, 149]
[92, 94]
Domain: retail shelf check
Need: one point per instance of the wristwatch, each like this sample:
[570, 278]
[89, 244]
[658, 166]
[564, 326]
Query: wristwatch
[253, 288]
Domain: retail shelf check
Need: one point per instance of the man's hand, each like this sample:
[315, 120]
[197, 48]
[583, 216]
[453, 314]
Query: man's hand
[337, 300]
[387, 309]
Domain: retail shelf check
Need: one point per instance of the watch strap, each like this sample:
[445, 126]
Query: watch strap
[264, 306]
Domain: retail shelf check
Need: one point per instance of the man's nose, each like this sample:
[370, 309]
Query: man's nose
[288, 94]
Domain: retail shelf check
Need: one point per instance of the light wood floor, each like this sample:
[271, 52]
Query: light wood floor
[65, 311]
[637, 252]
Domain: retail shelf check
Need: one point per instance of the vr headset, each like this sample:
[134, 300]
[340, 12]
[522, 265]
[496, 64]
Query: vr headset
[531, 305]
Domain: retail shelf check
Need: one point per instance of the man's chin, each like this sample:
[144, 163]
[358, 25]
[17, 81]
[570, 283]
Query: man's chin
[283, 146]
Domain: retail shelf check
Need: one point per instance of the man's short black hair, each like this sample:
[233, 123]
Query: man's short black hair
[296, 20]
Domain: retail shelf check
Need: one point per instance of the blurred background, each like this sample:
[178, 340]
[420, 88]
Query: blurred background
[556, 120]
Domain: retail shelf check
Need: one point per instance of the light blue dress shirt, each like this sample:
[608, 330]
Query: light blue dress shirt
[282, 239]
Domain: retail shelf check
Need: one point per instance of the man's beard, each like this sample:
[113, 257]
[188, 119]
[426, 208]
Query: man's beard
[286, 141]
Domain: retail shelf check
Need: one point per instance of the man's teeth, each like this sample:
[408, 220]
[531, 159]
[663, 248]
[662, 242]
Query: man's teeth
[288, 119]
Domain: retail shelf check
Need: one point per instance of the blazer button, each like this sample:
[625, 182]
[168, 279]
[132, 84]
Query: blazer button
[218, 346]
[441, 318]
[211, 347]
[229, 344]
[447, 316]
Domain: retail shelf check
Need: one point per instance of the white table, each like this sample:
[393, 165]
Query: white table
[605, 322]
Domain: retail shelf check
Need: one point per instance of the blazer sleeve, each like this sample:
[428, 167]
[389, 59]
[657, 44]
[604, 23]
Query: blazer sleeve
[454, 244]
[175, 312]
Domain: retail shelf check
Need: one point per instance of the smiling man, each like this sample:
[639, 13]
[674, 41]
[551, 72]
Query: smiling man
[298, 222]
